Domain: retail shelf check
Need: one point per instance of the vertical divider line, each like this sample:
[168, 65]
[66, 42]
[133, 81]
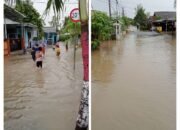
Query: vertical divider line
[177, 65]
[90, 96]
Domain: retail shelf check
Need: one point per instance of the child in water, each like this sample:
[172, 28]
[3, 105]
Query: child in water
[58, 51]
[39, 57]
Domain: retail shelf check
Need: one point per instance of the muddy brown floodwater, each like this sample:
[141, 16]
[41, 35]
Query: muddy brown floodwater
[46, 99]
[134, 83]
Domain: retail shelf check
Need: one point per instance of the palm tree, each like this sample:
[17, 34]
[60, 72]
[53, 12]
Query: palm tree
[57, 6]
[82, 120]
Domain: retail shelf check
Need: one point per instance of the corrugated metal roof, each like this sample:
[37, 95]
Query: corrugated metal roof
[9, 21]
[13, 14]
[165, 14]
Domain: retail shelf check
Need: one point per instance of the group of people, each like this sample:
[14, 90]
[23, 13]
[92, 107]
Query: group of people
[38, 52]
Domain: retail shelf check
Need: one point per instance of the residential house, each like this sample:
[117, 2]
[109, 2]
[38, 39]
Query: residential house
[166, 20]
[17, 34]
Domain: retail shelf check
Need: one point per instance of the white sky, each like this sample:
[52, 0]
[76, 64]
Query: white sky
[40, 5]
[102, 5]
[130, 5]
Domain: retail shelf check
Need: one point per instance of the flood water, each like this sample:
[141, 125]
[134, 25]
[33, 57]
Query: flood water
[134, 83]
[42, 99]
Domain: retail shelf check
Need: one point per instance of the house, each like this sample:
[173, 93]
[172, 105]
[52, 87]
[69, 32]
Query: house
[50, 35]
[166, 20]
[17, 34]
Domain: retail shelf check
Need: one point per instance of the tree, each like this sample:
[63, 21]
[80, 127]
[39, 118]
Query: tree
[102, 26]
[72, 28]
[32, 16]
[57, 6]
[140, 17]
[125, 22]
[54, 22]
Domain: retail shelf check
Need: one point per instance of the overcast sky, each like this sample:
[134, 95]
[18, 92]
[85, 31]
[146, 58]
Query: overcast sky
[102, 5]
[40, 5]
[130, 5]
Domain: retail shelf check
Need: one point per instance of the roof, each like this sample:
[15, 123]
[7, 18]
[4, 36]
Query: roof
[30, 25]
[166, 15]
[13, 14]
[11, 22]
[49, 29]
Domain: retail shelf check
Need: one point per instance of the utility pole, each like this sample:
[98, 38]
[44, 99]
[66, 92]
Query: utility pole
[123, 14]
[116, 8]
[109, 1]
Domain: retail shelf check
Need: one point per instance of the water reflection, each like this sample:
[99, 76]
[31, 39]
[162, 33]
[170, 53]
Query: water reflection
[139, 76]
[42, 99]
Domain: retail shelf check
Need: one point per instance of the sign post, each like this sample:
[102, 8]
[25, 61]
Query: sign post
[74, 16]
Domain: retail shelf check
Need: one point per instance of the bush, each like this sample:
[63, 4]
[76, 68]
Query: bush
[95, 44]
[102, 26]
[64, 37]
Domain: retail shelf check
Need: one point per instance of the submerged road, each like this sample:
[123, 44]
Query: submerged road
[42, 99]
[134, 83]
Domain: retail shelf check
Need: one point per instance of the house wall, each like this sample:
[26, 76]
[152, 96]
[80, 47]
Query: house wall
[51, 37]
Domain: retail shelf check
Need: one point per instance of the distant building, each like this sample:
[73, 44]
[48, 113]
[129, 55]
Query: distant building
[166, 20]
[166, 15]
[50, 34]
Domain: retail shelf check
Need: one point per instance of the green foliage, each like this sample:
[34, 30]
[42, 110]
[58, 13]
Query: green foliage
[125, 22]
[95, 44]
[141, 17]
[71, 28]
[32, 16]
[64, 37]
[157, 17]
[102, 26]
[57, 5]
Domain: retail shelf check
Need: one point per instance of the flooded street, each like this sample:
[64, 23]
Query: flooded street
[134, 83]
[46, 99]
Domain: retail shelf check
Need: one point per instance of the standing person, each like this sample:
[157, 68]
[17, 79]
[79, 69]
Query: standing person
[58, 51]
[39, 58]
[36, 47]
[43, 47]
[66, 45]
[33, 53]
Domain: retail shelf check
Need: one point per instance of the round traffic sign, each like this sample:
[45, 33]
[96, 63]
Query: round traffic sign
[74, 15]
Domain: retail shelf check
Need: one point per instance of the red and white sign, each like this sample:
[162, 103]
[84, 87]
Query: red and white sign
[74, 15]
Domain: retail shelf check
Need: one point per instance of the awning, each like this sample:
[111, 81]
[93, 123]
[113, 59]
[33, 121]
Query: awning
[13, 14]
[9, 21]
